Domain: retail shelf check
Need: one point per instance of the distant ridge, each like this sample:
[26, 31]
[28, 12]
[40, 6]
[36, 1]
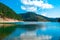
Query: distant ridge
[31, 16]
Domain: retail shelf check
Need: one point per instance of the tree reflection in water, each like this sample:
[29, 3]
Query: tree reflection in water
[7, 29]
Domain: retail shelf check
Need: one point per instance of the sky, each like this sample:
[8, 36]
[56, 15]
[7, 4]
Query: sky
[48, 8]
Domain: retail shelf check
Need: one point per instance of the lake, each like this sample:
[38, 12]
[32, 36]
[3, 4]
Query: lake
[32, 31]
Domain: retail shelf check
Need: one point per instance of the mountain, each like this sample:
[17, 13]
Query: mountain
[31, 16]
[6, 12]
[57, 19]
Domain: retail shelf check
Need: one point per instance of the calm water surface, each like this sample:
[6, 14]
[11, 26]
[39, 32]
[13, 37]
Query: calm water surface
[42, 30]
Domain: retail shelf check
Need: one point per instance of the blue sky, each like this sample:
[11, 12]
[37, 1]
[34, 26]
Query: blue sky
[52, 12]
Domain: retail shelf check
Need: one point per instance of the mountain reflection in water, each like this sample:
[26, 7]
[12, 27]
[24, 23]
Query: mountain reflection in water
[36, 31]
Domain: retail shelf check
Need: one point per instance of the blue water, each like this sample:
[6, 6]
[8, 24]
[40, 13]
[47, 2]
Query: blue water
[42, 28]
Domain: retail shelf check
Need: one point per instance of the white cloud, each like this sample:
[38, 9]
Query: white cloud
[35, 5]
[47, 6]
[33, 9]
[26, 2]
[23, 7]
[44, 14]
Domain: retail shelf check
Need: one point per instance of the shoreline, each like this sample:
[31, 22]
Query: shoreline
[10, 21]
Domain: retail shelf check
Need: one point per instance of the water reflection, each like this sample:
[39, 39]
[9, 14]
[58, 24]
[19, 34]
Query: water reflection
[33, 36]
[38, 31]
[6, 29]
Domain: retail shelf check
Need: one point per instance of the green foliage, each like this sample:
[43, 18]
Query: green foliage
[5, 11]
